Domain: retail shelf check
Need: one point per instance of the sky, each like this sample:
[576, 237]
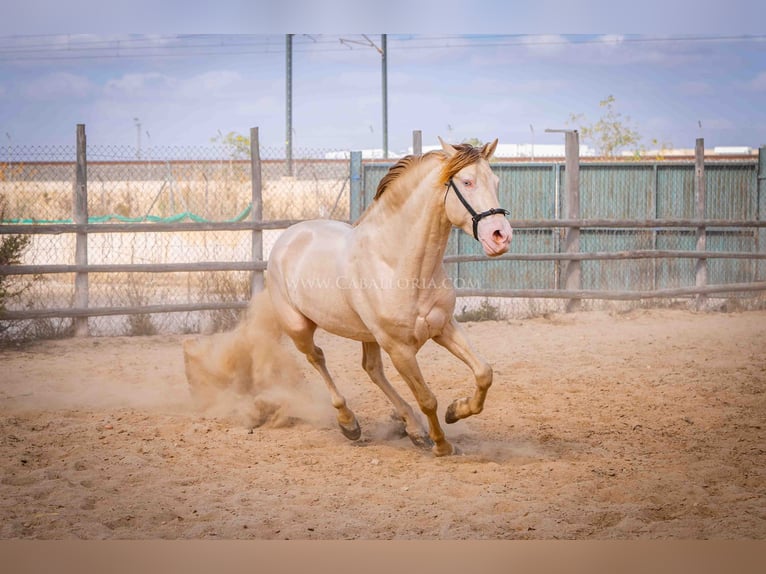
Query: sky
[185, 75]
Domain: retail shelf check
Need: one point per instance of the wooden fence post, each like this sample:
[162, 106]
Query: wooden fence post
[572, 274]
[80, 218]
[256, 279]
[417, 142]
[700, 193]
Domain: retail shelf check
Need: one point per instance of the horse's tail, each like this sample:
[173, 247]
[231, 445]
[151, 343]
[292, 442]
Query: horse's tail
[260, 318]
[249, 359]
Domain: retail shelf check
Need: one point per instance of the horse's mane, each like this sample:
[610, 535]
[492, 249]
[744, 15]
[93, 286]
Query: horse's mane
[465, 155]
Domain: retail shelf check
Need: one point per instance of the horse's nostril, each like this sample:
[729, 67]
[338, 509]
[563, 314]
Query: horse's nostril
[498, 236]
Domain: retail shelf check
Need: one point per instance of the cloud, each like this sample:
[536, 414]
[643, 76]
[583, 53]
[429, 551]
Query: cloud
[133, 85]
[212, 82]
[617, 50]
[58, 85]
[153, 85]
[178, 106]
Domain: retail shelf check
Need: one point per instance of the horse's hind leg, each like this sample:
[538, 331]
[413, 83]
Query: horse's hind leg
[304, 341]
[373, 365]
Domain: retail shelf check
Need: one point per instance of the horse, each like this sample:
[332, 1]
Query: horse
[381, 281]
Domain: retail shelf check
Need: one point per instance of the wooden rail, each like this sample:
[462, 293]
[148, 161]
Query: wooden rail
[571, 227]
[615, 295]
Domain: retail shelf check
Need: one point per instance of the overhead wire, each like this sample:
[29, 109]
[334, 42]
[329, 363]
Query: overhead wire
[79, 47]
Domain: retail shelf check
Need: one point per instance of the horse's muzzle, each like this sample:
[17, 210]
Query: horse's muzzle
[494, 233]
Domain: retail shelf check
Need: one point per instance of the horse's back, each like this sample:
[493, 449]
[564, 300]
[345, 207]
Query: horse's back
[307, 240]
[306, 275]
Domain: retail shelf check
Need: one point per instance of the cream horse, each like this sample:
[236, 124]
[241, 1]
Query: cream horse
[382, 280]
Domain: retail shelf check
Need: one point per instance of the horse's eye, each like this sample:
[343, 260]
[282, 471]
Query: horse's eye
[467, 182]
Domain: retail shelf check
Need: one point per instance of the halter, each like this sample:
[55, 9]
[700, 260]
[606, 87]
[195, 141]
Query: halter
[475, 217]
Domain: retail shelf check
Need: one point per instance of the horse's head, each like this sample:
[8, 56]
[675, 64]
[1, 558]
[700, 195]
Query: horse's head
[470, 199]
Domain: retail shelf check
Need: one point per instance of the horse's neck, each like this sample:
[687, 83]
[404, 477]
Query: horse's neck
[411, 231]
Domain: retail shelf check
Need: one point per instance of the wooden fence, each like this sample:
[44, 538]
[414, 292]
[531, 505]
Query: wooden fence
[570, 224]
[81, 309]
[570, 284]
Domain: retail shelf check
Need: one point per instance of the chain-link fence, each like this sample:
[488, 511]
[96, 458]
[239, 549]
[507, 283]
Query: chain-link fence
[214, 188]
[164, 185]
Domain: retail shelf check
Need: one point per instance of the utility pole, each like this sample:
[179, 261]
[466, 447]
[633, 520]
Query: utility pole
[289, 104]
[10, 157]
[384, 85]
[138, 137]
[383, 51]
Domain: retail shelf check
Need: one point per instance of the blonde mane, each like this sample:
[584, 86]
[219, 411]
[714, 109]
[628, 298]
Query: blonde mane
[466, 155]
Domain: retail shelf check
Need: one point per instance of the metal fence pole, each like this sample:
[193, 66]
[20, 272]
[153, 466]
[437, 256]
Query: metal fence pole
[653, 213]
[556, 233]
[80, 218]
[417, 142]
[289, 103]
[384, 86]
[700, 191]
[256, 281]
[761, 210]
[356, 206]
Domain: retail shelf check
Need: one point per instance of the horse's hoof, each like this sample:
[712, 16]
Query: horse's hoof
[421, 441]
[444, 449]
[451, 415]
[397, 427]
[352, 432]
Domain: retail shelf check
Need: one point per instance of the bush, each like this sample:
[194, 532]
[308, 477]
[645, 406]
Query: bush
[484, 312]
[12, 247]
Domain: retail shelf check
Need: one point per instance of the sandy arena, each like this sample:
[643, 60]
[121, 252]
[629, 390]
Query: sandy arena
[647, 424]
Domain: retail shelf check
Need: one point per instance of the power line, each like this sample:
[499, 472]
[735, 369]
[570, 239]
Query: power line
[138, 47]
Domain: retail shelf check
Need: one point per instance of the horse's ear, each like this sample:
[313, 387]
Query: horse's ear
[489, 150]
[448, 149]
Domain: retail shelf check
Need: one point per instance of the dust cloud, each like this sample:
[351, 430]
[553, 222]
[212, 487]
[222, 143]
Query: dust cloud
[249, 375]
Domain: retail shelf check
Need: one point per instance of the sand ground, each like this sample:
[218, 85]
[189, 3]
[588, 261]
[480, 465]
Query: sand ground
[647, 424]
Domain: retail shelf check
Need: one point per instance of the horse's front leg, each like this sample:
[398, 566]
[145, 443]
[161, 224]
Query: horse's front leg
[403, 358]
[454, 340]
